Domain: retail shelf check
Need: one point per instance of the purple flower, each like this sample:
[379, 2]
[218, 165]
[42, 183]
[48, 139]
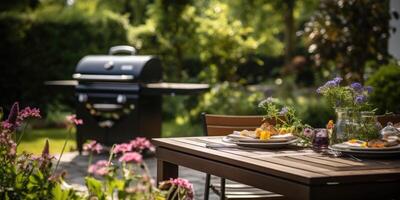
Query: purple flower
[265, 101]
[45, 159]
[331, 84]
[131, 157]
[319, 90]
[360, 99]
[283, 111]
[369, 89]
[46, 149]
[356, 86]
[13, 116]
[337, 80]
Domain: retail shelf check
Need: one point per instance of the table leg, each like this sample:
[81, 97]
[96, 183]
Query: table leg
[166, 170]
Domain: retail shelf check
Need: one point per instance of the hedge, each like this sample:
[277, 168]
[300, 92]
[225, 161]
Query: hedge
[36, 50]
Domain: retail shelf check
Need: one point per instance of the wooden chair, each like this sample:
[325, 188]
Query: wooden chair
[220, 125]
[384, 119]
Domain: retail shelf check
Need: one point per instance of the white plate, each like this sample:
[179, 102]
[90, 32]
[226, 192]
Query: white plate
[368, 154]
[235, 136]
[259, 144]
[346, 146]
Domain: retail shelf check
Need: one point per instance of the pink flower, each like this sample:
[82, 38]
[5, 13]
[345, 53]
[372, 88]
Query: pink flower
[185, 184]
[16, 117]
[182, 183]
[308, 132]
[6, 125]
[28, 112]
[74, 120]
[13, 149]
[122, 148]
[100, 168]
[131, 157]
[93, 146]
[140, 143]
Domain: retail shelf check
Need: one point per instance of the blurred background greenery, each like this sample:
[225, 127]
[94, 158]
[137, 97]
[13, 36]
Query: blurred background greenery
[246, 50]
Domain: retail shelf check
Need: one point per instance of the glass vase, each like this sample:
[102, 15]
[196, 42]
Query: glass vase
[347, 125]
[342, 120]
[369, 126]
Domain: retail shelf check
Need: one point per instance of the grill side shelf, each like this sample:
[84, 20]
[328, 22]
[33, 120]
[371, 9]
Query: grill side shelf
[173, 88]
[62, 83]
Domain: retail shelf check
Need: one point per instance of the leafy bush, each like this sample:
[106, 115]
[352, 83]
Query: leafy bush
[228, 98]
[347, 34]
[386, 84]
[314, 111]
[47, 46]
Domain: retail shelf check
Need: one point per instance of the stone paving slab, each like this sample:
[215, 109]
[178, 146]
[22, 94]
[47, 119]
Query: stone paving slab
[76, 166]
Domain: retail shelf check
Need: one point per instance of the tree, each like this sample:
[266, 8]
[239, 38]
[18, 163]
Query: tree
[347, 34]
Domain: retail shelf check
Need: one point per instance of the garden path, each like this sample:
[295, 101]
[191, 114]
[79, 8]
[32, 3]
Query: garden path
[76, 166]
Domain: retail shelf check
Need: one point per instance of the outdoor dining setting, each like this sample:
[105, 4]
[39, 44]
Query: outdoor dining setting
[208, 99]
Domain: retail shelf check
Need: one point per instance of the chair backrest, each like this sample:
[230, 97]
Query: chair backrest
[384, 119]
[220, 125]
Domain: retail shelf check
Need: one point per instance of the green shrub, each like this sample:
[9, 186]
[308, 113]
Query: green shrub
[386, 94]
[43, 47]
[315, 112]
[228, 98]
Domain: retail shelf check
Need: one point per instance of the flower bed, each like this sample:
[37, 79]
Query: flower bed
[25, 176]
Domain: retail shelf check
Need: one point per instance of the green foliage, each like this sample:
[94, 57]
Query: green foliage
[95, 188]
[58, 193]
[284, 115]
[198, 41]
[46, 45]
[386, 94]
[314, 111]
[228, 98]
[347, 34]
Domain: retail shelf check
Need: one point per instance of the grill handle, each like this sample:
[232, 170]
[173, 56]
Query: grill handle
[122, 49]
[107, 106]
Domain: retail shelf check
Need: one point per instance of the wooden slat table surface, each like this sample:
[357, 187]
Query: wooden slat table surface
[293, 172]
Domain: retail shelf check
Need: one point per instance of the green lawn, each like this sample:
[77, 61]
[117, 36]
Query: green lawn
[33, 140]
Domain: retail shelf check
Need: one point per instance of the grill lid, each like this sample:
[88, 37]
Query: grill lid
[122, 68]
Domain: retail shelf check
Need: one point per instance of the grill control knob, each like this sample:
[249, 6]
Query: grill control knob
[121, 98]
[109, 65]
[82, 98]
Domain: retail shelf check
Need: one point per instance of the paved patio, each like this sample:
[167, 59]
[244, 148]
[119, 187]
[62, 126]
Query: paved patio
[76, 166]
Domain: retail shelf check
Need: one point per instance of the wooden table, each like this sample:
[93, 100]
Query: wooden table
[294, 173]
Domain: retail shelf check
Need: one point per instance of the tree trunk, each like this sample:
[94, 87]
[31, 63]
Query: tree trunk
[289, 30]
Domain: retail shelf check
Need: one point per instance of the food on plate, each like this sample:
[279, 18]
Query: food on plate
[265, 135]
[247, 133]
[265, 132]
[375, 143]
[258, 132]
[356, 143]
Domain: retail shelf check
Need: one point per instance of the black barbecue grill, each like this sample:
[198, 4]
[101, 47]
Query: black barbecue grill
[119, 97]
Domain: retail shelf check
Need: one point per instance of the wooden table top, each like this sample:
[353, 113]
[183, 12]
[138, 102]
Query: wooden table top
[295, 164]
